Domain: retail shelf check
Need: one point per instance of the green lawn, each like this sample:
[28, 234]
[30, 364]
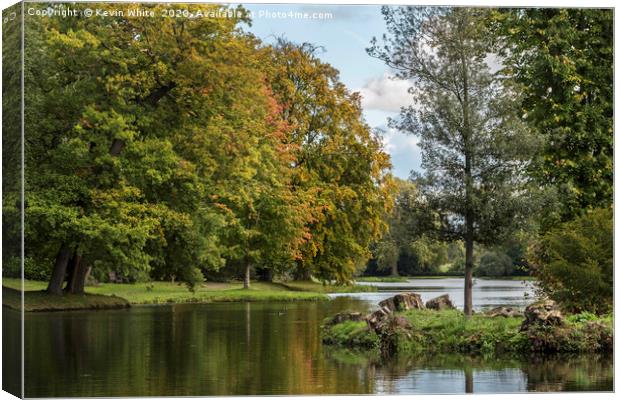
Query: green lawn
[37, 300]
[167, 292]
[382, 279]
[309, 286]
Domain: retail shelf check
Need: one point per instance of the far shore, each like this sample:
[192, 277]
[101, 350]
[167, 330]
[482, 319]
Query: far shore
[396, 279]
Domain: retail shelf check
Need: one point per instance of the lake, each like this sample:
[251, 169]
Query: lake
[487, 293]
[267, 349]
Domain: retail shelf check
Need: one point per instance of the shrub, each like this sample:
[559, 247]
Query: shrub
[574, 263]
[494, 263]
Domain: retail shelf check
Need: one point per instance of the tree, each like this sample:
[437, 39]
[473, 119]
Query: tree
[474, 147]
[494, 263]
[340, 170]
[402, 223]
[147, 140]
[574, 262]
[563, 60]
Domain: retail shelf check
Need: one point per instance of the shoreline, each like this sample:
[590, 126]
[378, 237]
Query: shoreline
[116, 296]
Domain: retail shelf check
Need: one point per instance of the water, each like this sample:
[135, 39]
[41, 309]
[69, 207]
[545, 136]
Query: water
[259, 349]
[487, 293]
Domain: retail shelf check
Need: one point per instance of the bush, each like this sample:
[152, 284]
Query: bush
[494, 263]
[36, 270]
[574, 263]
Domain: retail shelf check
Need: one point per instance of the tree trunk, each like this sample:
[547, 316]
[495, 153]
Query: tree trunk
[77, 278]
[246, 278]
[301, 273]
[469, 212]
[60, 269]
[469, 266]
[469, 381]
[395, 269]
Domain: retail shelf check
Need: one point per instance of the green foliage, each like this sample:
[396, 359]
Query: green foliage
[407, 247]
[177, 147]
[340, 170]
[574, 262]
[494, 263]
[474, 146]
[562, 58]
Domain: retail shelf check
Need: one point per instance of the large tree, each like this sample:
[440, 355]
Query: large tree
[340, 170]
[474, 147]
[153, 140]
[563, 60]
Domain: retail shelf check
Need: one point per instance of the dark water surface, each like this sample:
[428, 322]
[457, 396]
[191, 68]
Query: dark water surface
[257, 348]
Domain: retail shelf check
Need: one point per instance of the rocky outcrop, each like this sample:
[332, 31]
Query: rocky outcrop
[503, 312]
[402, 302]
[440, 303]
[344, 316]
[542, 313]
[376, 319]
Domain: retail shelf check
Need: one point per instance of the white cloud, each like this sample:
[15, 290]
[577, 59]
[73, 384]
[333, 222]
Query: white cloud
[386, 93]
[396, 142]
[403, 150]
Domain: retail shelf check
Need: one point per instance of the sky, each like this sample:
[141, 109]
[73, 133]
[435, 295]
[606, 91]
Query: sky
[344, 39]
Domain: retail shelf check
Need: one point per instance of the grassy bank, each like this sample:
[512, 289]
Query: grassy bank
[449, 332]
[37, 300]
[107, 295]
[310, 286]
[382, 279]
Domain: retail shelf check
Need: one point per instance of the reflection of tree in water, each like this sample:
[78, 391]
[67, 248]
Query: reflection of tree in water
[541, 374]
[579, 373]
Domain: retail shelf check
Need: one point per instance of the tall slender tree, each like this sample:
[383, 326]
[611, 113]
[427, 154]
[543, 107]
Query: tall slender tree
[474, 148]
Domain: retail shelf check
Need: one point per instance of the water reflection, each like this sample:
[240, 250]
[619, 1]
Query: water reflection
[254, 348]
[451, 373]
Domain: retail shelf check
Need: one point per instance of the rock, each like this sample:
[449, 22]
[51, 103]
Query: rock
[440, 303]
[542, 313]
[376, 319]
[344, 316]
[402, 302]
[503, 312]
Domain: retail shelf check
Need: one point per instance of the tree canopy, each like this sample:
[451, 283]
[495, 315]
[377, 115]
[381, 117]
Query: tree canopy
[168, 148]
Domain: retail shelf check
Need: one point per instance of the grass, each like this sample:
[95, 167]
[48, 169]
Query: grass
[40, 301]
[167, 292]
[353, 334]
[448, 331]
[382, 279]
[310, 286]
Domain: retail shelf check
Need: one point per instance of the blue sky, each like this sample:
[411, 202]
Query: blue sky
[344, 39]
